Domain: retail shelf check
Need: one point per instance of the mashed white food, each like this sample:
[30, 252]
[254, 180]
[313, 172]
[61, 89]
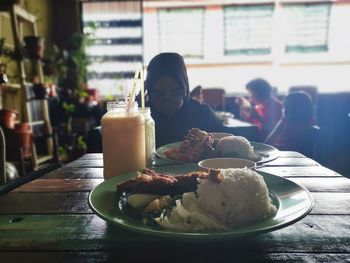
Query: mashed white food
[241, 198]
[235, 146]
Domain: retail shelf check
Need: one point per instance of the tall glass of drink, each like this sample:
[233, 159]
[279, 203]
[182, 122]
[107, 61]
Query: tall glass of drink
[123, 140]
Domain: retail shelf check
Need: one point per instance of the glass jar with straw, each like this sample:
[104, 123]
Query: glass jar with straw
[150, 134]
[123, 137]
[150, 137]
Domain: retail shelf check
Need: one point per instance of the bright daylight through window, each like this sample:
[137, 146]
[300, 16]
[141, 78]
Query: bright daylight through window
[225, 43]
[181, 30]
[248, 29]
[307, 29]
[115, 46]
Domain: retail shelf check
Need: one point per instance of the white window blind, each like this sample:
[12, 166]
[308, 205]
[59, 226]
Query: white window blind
[307, 27]
[116, 43]
[248, 29]
[181, 30]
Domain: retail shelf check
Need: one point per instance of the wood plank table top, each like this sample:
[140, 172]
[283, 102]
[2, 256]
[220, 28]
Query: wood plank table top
[49, 220]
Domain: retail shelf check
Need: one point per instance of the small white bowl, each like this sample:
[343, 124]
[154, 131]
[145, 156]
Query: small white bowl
[225, 163]
[218, 135]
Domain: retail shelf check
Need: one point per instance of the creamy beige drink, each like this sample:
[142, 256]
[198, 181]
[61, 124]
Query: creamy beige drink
[123, 141]
[150, 137]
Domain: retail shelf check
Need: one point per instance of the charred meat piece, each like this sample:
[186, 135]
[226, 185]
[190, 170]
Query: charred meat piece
[151, 182]
[197, 145]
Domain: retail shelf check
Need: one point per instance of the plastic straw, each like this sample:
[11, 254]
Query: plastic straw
[132, 90]
[142, 88]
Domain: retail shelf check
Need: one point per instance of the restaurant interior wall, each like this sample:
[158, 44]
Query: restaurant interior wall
[328, 70]
[40, 19]
[56, 20]
[233, 75]
[11, 97]
[42, 9]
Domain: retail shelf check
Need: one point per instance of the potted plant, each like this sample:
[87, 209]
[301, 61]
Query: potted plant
[34, 46]
[69, 109]
[8, 118]
[7, 55]
[79, 149]
[69, 66]
[71, 63]
[5, 51]
[63, 153]
[40, 90]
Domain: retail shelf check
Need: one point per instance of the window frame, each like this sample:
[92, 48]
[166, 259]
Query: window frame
[305, 49]
[249, 51]
[200, 54]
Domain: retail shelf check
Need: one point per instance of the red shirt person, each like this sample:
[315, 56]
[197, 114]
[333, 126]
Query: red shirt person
[262, 109]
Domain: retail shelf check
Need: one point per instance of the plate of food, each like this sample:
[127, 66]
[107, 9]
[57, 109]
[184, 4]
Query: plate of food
[200, 205]
[224, 116]
[198, 145]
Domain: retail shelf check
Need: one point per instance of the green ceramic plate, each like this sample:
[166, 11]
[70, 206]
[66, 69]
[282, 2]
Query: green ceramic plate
[293, 202]
[264, 152]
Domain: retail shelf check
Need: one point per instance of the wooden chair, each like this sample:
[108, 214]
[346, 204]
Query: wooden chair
[311, 90]
[215, 98]
[302, 140]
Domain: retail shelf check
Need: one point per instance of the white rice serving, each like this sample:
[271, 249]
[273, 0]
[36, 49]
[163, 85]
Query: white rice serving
[235, 146]
[241, 198]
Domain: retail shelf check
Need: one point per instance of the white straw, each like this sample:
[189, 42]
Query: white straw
[132, 90]
[142, 87]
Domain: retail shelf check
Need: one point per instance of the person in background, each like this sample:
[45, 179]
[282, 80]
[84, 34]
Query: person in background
[296, 130]
[262, 109]
[168, 95]
[197, 94]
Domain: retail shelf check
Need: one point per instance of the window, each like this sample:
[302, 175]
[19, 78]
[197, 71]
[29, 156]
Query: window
[307, 27]
[115, 46]
[181, 30]
[248, 29]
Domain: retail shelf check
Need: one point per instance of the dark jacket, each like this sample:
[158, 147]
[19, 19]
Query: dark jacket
[171, 129]
[191, 115]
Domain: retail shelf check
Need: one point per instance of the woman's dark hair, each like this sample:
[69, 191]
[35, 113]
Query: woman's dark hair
[260, 87]
[298, 107]
[167, 64]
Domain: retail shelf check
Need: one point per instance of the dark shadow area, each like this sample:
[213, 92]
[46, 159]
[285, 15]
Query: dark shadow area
[27, 178]
[333, 144]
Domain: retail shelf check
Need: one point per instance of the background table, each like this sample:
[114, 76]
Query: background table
[49, 220]
[241, 128]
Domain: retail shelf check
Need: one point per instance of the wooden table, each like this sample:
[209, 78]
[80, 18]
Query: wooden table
[49, 220]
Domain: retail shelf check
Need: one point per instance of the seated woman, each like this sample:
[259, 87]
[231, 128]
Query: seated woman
[295, 131]
[167, 94]
[263, 109]
[173, 111]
